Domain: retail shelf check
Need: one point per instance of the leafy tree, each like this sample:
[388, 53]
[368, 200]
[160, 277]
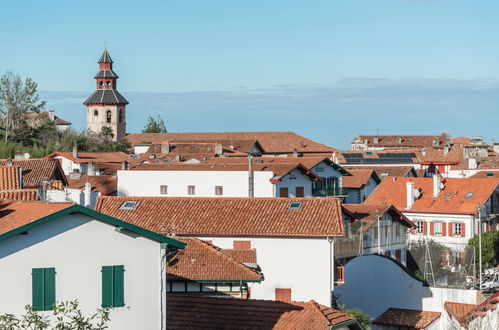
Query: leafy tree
[154, 126]
[490, 248]
[66, 316]
[363, 318]
[107, 132]
[17, 98]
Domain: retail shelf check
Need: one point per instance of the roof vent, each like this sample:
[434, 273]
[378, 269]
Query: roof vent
[294, 205]
[468, 195]
[128, 205]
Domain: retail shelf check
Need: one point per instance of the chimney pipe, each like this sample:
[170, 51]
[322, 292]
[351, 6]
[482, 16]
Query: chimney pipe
[8, 162]
[91, 168]
[436, 185]
[45, 187]
[410, 194]
[165, 147]
[251, 181]
[124, 165]
[75, 151]
[87, 194]
[218, 149]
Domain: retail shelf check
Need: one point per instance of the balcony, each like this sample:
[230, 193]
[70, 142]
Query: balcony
[330, 192]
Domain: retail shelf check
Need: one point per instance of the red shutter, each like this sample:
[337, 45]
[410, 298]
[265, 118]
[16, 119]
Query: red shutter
[463, 230]
[424, 228]
[444, 229]
[242, 245]
[450, 229]
[432, 228]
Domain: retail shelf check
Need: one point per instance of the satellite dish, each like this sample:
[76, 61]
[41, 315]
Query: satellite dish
[441, 185]
[417, 193]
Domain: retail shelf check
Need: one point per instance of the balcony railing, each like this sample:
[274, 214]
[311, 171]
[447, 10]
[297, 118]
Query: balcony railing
[330, 192]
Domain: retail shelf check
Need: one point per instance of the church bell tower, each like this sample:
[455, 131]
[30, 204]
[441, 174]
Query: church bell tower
[106, 106]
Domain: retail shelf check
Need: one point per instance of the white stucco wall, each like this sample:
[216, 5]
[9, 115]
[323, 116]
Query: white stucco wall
[72, 195]
[234, 183]
[67, 165]
[303, 265]
[78, 247]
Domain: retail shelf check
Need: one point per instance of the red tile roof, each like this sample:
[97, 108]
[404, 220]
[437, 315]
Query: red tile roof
[184, 311]
[243, 217]
[369, 214]
[271, 142]
[359, 178]
[14, 214]
[35, 171]
[459, 310]
[465, 313]
[9, 178]
[104, 184]
[242, 255]
[384, 171]
[398, 317]
[94, 157]
[452, 198]
[204, 261]
[405, 141]
[20, 194]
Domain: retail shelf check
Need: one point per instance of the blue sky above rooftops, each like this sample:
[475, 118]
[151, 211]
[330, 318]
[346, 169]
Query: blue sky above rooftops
[326, 69]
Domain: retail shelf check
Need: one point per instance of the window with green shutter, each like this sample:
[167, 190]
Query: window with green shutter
[113, 286]
[43, 288]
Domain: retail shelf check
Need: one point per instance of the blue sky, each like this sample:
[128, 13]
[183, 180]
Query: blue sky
[326, 69]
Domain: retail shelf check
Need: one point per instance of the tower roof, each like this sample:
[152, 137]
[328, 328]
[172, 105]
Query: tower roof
[105, 57]
[106, 96]
[106, 74]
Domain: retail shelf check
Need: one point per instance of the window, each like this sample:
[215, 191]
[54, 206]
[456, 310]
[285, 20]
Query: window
[283, 192]
[108, 116]
[398, 228]
[96, 112]
[490, 174]
[43, 288]
[283, 294]
[294, 205]
[120, 116]
[419, 226]
[219, 190]
[375, 233]
[456, 229]
[191, 190]
[163, 189]
[113, 286]
[438, 228]
[300, 192]
[128, 205]
[319, 169]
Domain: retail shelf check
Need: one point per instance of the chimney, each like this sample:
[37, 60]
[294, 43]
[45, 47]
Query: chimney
[251, 182]
[124, 165]
[8, 162]
[45, 187]
[436, 185]
[410, 194]
[472, 163]
[51, 115]
[165, 147]
[87, 194]
[218, 149]
[91, 168]
[75, 151]
[496, 148]
[423, 152]
[446, 149]
[376, 140]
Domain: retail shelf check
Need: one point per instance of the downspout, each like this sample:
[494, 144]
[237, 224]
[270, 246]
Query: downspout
[163, 285]
[251, 181]
[331, 265]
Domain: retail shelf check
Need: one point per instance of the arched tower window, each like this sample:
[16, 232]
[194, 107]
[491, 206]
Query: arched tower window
[96, 112]
[120, 116]
[108, 116]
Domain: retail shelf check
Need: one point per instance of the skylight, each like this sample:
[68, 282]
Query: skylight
[294, 205]
[490, 174]
[468, 195]
[128, 205]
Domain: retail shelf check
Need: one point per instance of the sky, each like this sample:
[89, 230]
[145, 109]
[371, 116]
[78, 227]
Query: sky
[328, 70]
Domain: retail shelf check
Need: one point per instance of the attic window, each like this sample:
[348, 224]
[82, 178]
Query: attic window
[490, 174]
[128, 205]
[468, 195]
[384, 174]
[294, 205]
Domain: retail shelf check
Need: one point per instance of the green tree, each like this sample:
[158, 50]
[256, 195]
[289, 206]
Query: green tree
[66, 316]
[154, 126]
[490, 248]
[107, 132]
[17, 98]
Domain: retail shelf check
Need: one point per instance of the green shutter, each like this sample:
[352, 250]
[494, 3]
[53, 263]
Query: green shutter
[37, 275]
[107, 286]
[49, 288]
[119, 287]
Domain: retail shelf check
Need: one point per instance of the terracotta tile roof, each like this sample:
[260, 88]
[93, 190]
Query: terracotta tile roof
[459, 310]
[246, 256]
[271, 142]
[359, 178]
[384, 171]
[439, 156]
[184, 311]
[461, 140]
[94, 157]
[452, 198]
[9, 178]
[486, 174]
[407, 318]
[104, 184]
[405, 141]
[20, 195]
[279, 170]
[315, 217]
[37, 170]
[204, 261]
[369, 214]
[14, 214]
[465, 313]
